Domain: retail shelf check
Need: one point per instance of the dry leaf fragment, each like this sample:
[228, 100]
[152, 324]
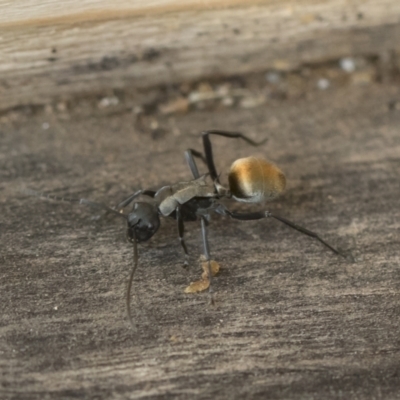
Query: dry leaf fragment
[204, 282]
[198, 286]
[179, 105]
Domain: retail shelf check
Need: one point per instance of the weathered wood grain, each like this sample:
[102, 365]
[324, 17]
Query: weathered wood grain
[59, 50]
[292, 320]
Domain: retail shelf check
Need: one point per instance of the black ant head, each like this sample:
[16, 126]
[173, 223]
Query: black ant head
[143, 222]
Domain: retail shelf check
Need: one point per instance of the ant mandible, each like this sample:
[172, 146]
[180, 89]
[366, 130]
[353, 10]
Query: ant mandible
[251, 180]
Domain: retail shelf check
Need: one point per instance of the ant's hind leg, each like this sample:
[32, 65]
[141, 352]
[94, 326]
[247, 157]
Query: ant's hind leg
[305, 231]
[266, 214]
[181, 230]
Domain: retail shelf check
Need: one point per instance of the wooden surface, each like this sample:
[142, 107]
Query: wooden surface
[291, 321]
[76, 48]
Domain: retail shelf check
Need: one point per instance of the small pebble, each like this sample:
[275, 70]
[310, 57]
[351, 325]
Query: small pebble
[347, 64]
[323, 83]
[252, 101]
[197, 96]
[363, 77]
[179, 105]
[227, 101]
[108, 101]
[61, 106]
[273, 77]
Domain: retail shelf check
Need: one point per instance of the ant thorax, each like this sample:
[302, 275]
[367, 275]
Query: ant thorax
[171, 197]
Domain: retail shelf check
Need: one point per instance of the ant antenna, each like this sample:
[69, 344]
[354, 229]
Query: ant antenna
[85, 202]
[102, 206]
[128, 291]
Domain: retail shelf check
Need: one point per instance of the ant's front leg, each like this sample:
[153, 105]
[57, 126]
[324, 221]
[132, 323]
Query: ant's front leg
[189, 155]
[129, 199]
[208, 159]
[84, 202]
[208, 147]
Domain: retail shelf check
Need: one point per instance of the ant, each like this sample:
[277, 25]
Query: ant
[251, 180]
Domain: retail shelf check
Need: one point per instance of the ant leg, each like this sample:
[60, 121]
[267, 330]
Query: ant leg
[204, 224]
[198, 154]
[208, 147]
[128, 200]
[265, 214]
[181, 230]
[192, 163]
[303, 230]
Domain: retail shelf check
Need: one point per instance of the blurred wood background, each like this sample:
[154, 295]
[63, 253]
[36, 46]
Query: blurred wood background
[62, 49]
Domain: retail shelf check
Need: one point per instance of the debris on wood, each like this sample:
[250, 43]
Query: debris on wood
[204, 282]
